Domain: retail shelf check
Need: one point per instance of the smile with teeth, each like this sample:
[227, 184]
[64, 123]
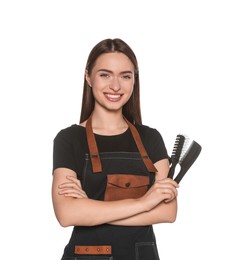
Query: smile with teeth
[113, 97]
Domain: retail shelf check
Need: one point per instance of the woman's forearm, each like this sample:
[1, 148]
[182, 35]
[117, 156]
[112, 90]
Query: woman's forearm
[163, 213]
[88, 212]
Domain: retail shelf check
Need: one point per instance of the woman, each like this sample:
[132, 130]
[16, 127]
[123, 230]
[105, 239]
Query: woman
[110, 171]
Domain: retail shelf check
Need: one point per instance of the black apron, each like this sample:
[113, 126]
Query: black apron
[100, 182]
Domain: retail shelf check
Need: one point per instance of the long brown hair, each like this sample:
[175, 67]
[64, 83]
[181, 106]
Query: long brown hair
[131, 110]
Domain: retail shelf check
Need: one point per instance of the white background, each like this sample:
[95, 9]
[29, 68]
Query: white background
[190, 59]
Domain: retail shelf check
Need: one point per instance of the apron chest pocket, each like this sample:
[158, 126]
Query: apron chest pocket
[125, 186]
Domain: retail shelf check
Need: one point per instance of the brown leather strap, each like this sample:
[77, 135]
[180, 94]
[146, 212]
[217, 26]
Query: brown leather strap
[93, 250]
[94, 154]
[146, 159]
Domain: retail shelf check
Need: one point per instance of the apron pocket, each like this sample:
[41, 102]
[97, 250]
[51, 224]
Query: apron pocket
[146, 250]
[125, 186]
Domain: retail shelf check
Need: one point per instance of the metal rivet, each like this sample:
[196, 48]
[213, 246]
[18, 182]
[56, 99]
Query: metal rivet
[86, 249]
[127, 184]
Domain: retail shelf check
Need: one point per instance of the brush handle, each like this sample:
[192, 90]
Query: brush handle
[172, 170]
[180, 175]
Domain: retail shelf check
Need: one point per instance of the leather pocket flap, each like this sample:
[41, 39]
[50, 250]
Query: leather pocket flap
[127, 181]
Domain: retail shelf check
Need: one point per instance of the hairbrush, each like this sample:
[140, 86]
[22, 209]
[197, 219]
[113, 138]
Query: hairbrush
[176, 154]
[185, 152]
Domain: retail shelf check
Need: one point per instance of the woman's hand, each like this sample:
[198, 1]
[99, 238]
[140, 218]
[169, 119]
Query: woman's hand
[72, 188]
[164, 190]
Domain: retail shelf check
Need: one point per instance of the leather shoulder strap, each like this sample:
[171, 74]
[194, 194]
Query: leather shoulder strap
[94, 154]
[144, 155]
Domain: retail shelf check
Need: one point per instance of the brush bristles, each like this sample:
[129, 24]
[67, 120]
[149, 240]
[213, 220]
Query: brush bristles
[177, 149]
[186, 148]
[186, 145]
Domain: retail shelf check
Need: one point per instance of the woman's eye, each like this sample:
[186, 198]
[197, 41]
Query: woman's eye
[104, 75]
[127, 76]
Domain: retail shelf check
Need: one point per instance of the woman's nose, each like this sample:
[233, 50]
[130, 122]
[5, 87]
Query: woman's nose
[115, 85]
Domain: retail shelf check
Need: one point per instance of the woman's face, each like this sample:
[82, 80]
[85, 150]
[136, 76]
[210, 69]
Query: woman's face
[112, 81]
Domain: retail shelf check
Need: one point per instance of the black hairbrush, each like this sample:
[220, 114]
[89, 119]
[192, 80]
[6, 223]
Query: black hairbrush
[176, 154]
[186, 157]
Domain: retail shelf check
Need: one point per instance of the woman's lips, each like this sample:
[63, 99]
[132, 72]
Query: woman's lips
[113, 97]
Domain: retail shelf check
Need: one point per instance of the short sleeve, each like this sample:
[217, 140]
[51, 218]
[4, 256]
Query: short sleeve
[154, 144]
[63, 154]
[159, 150]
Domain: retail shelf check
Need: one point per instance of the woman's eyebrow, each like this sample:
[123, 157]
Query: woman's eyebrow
[122, 72]
[127, 71]
[105, 70]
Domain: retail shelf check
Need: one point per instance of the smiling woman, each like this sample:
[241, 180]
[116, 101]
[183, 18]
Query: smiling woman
[112, 80]
[110, 171]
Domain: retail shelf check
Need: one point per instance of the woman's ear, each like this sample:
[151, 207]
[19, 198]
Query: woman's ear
[88, 78]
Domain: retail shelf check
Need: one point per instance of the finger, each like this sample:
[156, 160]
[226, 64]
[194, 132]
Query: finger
[71, 189]
[74, 179]
[169, 199]
[172, 189]
[171, 193]
[73, 193]
[164, 185]
[170, 181]
[69, 185]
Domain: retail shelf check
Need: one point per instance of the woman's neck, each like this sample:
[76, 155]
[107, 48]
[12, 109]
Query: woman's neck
[110, 123]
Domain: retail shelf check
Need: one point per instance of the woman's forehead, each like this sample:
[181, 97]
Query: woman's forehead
[113, 61]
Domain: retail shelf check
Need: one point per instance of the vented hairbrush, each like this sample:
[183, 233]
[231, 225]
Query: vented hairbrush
[185, 152]
[176, 154]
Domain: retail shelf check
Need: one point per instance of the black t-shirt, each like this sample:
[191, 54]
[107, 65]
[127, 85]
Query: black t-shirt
[70, 145]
